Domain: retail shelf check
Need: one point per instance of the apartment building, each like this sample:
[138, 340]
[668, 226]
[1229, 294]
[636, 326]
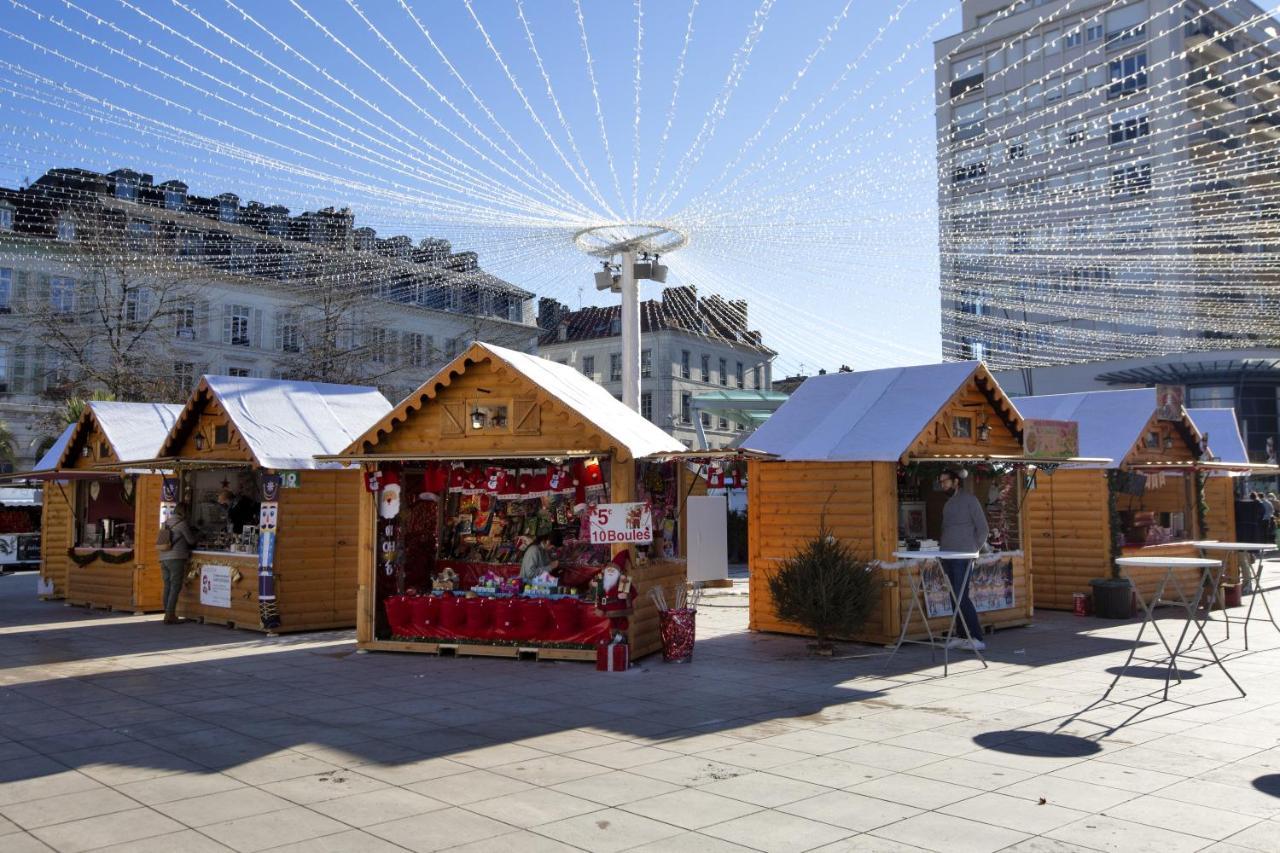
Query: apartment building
[91, 262]
[688, 345]
[1108, 179]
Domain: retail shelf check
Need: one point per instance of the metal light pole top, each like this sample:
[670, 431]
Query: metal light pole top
[627, 239]
[607, 241]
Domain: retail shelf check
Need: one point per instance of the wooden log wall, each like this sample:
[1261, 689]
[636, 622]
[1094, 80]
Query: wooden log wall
[861, 509]
[57, 521]
[316, 551]
[1220, 520]
[243, 612]
[1067, 531]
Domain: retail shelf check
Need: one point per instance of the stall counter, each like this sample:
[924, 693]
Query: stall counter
[243, 599]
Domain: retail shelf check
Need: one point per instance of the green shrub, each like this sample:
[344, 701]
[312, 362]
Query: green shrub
[825, 588]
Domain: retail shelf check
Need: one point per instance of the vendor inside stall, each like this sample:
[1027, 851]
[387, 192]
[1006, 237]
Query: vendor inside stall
[223, 507]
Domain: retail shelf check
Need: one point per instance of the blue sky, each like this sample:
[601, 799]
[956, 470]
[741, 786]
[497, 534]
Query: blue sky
[818, 207]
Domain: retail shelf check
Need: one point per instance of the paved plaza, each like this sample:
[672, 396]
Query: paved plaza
[119, 733]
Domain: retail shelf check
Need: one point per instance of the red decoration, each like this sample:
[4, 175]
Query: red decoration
[615, 657]
[373, 481]
[677, 629]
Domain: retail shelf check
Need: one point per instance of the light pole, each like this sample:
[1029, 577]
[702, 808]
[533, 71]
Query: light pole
[625, 240]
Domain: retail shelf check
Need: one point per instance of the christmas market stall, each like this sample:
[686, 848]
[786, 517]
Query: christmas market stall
[101, 515]
[1147, 501]
[52, 583]
[515, 508]
[858, 455]
[275, 528]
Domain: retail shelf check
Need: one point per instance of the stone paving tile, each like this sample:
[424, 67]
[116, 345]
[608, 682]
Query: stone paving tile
[765, 789]
[851, 811]
[534, 807]
[319, 787]
[1206, 822]
[1013, 813]
[615, 788]
[1118, 836]
[470, 787]
[23, 843]
[974, 774]
[32, 814]
[608, 831]
[186, 841]
[522, 841]
[351, 841]
[439, 830]
[378, 806]
[830, 772]
[222, 806]
[776, 832]
[933, 831]
[116, 828]
[690, 770]
[690, 842]
[914, 791]
[178, 786]
[551, 770]
[691, 809]
[273, 829]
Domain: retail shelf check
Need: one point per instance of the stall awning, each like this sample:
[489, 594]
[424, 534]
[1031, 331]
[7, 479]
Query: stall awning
[708, 455]
[1017, 460]
[495, 455]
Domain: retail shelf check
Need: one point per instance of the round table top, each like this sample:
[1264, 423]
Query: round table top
[1235, 546]
[936, 555]
[1169, 562]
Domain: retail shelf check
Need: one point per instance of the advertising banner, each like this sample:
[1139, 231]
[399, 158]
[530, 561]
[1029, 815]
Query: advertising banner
[1045, 439]
[629, 523]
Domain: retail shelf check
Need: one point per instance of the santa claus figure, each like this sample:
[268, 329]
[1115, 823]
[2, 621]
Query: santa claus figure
[389, 501]
[616, 595]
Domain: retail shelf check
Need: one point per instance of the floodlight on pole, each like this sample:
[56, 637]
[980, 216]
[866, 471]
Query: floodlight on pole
[626, 240]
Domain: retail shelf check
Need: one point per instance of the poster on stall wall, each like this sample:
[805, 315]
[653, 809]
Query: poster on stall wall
[990, 588]
[612, 524]
[1045, 439]
[1169, 400]
[215, 586]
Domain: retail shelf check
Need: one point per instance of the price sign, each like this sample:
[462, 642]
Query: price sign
[611, 524]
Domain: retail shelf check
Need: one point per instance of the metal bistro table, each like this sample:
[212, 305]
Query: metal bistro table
[916, 560]
[1249, 558]
[1210, 575]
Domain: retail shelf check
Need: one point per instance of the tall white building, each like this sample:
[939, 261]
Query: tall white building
[689, 345]
[213, 286]
[1107, 179]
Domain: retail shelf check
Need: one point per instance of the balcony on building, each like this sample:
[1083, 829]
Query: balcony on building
[1206, 39]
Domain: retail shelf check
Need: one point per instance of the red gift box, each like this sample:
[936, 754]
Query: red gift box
[615, 657]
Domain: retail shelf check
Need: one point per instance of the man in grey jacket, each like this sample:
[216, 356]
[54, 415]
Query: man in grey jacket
[173, 561]
[964, 528]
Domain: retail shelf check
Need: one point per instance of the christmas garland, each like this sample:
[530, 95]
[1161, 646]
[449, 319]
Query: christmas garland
[105, 556]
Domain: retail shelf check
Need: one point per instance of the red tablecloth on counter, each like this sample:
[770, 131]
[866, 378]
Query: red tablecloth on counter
[469, 574]
[531, 620]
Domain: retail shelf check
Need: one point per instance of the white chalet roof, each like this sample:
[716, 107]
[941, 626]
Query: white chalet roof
[595, 404]
[1223, 432]
[1110, 421]
[135, 430]
[53, 455]
[287, 423]
[866, 416]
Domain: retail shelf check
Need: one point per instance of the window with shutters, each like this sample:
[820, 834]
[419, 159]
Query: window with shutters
[724, 423]
[62, 295]
[377, 345]
[185, 322]
[646, 405]
[6, 217]
[706, 419]
[615, 367]
[706, 368]
[589, 366]
[242, 372]
[738, 378]
[755, 377]
[235, 325]
[684, 364]
[646, 363]
[137, 306]
[6, 290]
[686, 408]
[184, 374]
[724, 372]
[288, 332]
[415, 349]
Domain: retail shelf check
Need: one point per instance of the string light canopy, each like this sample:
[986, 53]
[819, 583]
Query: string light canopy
[505, 133]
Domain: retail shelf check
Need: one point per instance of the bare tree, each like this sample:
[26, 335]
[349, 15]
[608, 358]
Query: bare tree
[109, 323]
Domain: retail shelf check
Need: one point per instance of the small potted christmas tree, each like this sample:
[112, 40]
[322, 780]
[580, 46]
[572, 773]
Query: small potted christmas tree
[826, 589]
